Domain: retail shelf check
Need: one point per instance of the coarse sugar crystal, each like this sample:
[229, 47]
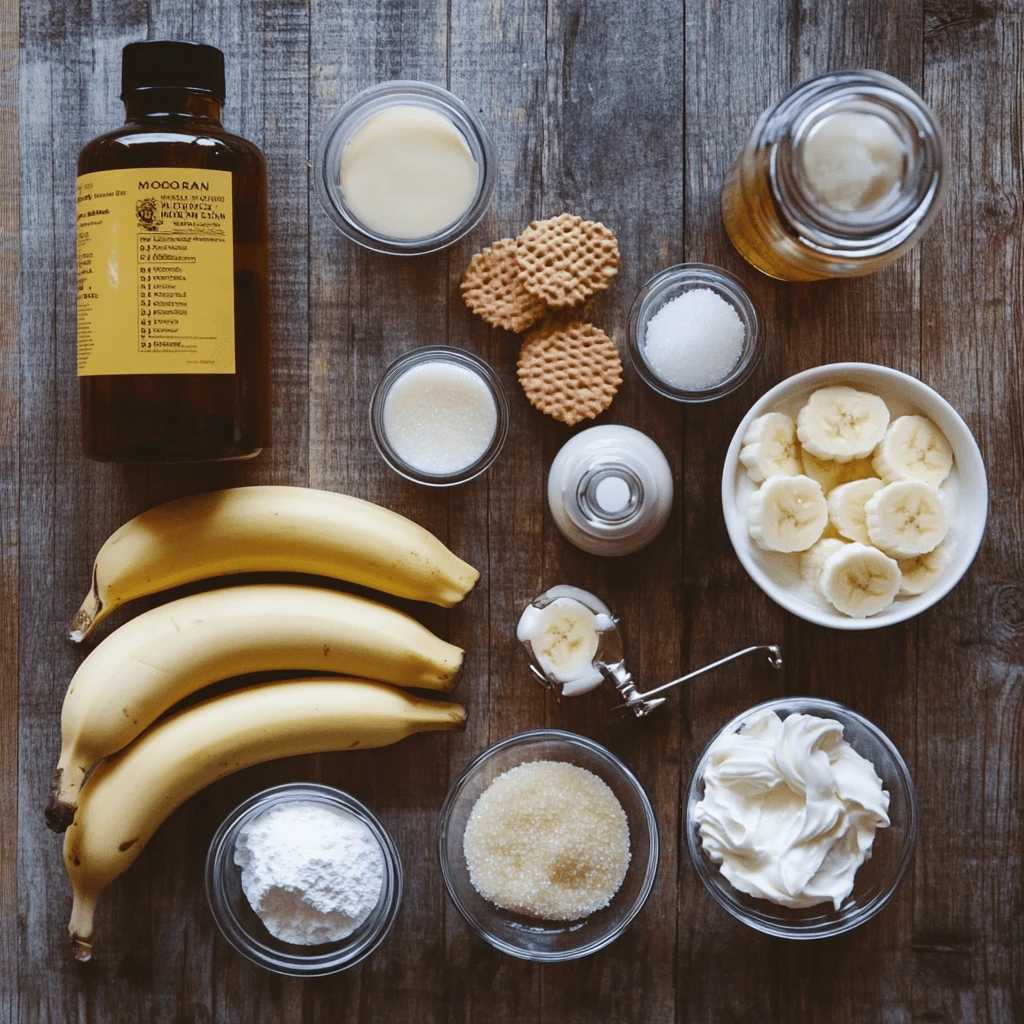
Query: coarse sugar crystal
[695, 340]
[547, 839]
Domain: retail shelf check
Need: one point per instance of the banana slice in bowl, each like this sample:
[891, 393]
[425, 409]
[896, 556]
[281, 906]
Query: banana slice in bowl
[883, 448]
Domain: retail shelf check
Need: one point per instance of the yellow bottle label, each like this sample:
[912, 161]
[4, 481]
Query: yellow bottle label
[155, 272]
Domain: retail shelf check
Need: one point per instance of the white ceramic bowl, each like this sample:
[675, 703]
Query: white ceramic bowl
[965, 492]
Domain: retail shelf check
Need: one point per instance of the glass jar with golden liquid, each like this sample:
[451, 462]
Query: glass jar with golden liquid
[171, 226]
[838, 179]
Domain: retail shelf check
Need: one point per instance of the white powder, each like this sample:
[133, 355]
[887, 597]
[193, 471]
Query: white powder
[695, 340]
[312, 872]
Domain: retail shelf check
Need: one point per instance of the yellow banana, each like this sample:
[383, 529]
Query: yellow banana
[170, 652]
[271, 529]
[128, 796]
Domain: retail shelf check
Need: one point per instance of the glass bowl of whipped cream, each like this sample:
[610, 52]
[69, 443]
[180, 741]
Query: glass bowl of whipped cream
[302, 879]
[801, 818]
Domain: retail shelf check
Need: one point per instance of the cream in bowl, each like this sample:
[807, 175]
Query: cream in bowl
[801, 818]
[439, 416]
[790, 809]
[854, 495]
[408, 173]
[405, 168]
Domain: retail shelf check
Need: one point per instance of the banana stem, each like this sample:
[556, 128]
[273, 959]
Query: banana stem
[80, 926]
[88, 615]
[60, 811]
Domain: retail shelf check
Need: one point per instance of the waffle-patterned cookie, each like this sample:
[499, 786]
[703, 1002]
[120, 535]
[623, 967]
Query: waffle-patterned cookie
[569, 370]
[565, 259]
[492, 289]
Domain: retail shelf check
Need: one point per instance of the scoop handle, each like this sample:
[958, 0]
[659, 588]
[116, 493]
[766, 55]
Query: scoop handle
[642, 704]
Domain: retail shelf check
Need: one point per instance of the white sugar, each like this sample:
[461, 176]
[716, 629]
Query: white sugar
[695, 340]
[440, 417]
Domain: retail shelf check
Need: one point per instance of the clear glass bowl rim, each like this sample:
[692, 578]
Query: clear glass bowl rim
[709, 873]
[431, 353]
[651, 298]
[435, 97]
[218, 858]
[650, 821]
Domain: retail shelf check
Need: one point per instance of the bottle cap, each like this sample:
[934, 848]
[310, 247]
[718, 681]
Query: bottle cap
[172, 64]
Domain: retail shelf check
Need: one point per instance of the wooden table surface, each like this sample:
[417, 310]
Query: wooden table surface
[626, 112]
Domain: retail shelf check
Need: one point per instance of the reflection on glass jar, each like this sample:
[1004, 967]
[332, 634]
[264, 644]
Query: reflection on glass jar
[838, 179]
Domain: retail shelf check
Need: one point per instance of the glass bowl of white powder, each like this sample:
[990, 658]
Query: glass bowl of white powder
[694, 333]
[303, 880]
[783, 804]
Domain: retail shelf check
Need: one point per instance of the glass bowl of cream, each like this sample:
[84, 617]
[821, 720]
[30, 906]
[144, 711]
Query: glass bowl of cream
[303, 880]
[439, 416]
[801, 818]
[528, 936]
[405, 168]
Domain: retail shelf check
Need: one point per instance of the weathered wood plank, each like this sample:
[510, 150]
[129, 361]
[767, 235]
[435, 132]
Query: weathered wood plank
[968, 937]
[63, 55]
[10, 216]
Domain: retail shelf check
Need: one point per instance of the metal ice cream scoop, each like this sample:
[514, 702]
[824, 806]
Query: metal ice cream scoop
[547, 638]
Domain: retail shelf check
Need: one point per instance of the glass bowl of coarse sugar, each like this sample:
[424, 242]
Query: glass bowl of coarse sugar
[548, 846]
[303, 880]
[694, 333]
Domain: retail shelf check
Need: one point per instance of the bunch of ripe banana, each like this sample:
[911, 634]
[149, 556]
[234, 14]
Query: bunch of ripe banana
[143, 766]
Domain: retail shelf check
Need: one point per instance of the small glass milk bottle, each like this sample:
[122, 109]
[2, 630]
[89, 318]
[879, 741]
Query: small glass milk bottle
[838, 179]
[610, 490]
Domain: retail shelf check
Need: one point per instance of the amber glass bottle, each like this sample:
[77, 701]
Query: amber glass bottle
[171, 222]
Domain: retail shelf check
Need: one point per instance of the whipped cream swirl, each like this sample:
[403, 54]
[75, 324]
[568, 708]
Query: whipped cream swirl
[790, 809]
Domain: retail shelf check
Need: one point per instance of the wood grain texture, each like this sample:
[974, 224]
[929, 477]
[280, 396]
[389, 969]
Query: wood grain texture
[10, 216]
[627, 113]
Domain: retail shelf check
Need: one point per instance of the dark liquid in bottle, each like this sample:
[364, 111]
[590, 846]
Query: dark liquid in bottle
[185, 417]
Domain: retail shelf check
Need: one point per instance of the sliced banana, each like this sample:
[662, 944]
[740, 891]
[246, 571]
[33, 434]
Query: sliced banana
[830, 474]
[812, 561]
[770, 447]
[924, 571]
[906, 518]
[787, 513]
[842, 423]
[913, 449]
[860, 581]
[846, 507]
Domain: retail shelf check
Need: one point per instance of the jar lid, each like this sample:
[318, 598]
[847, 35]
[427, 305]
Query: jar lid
[172, 64]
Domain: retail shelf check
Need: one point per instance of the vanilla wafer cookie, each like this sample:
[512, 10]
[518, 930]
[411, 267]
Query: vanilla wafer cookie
[569, 370]
[492, 289]
[565, 259]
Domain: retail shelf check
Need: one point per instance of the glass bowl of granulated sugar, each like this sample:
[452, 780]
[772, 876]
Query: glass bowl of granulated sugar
[303, 880]
[694, 333]
[548, 846]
